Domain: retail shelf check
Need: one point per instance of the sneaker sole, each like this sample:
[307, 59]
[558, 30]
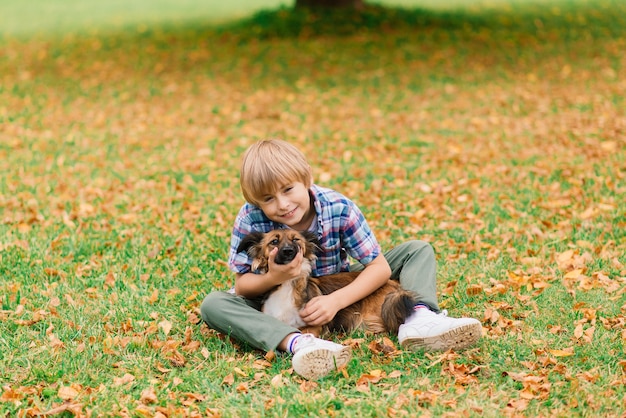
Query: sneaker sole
[318, 363]
[456, 339]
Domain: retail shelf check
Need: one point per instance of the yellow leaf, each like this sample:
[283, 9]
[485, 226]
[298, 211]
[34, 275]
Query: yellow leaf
[143, 411]
[240, 372]
[574, 274]
[562, 353]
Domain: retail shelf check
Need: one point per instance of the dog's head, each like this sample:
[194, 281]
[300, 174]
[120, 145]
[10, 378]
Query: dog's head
[289, 242]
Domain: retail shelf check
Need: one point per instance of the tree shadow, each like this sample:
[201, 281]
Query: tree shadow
[303, 23]
[310, 23]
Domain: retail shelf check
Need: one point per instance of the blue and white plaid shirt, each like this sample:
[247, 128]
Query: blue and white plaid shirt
[341, 228]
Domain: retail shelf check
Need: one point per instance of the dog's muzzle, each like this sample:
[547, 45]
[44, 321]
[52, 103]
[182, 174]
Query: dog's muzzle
[286, 254]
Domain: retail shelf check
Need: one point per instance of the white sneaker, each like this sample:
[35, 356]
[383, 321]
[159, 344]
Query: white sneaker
[314, 358]
[437, 332]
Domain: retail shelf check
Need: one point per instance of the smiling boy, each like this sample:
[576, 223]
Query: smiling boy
[277, 184]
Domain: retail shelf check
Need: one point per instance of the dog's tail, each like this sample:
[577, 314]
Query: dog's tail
[397, 307]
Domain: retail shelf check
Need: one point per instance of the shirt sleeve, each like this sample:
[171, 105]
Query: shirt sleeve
[239, 262]
[358, 239]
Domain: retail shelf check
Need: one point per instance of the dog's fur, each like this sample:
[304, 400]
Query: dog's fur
[382, 311]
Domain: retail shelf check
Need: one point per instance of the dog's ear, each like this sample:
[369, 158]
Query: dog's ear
[248, 243]
[311, 237]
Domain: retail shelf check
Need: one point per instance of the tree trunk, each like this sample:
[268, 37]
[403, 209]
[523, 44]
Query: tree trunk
[354, 4]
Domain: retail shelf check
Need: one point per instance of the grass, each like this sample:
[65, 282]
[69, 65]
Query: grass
[495, 134]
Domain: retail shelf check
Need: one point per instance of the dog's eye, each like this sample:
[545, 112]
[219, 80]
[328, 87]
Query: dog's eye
[274, 242]
[296, 240]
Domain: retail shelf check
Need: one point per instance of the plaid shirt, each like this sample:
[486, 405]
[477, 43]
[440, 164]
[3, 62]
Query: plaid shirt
[341, 228]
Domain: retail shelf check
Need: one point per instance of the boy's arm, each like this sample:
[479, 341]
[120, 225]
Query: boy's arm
[251, 285]
[322, 309]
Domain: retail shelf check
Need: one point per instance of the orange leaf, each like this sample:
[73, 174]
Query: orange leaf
[154, 296]
[228, 380]
[110, 280]
[278, 381]
[474, 289]
[148, 396]
[67, 393]
[9, 395]
[365, 379]
[589, 334]
[578, 332]
[166, 326]
[127, 378]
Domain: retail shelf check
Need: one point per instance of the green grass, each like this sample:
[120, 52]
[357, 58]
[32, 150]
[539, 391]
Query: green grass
[51, 17]
[497, 134]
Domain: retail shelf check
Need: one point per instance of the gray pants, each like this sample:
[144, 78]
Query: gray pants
[412, 263]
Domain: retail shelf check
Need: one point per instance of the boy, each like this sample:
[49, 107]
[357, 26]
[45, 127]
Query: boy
[277, 184]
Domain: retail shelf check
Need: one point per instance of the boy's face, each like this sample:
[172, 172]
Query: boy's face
[289, 205]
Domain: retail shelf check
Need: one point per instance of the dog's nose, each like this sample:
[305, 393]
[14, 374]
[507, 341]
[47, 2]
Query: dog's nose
[286, 254]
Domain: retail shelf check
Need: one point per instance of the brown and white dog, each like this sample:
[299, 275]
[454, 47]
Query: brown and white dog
[382, 311]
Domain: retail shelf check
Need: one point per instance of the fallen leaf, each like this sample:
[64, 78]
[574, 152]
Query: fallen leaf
[228, 380]
[308, 385]
[154, 297]
[278, 381]
[578, 332]
[176, 358]
[144, 411]
[10, 395]
[166, 326]
[127, 378]
[574, 274]
[73, 407]
[474, 289]
[562, 353]
[67, 393]
[148, 396]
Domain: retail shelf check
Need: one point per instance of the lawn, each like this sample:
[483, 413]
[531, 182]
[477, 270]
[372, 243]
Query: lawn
[496, 134]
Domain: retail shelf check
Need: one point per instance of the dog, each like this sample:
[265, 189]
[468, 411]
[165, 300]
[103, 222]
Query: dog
[382, 311]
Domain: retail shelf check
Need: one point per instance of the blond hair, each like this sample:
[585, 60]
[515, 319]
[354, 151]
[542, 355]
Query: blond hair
[270, 164]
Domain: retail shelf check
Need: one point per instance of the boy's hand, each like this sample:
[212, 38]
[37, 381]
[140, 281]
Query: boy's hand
[280, 273]
[320, 310]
